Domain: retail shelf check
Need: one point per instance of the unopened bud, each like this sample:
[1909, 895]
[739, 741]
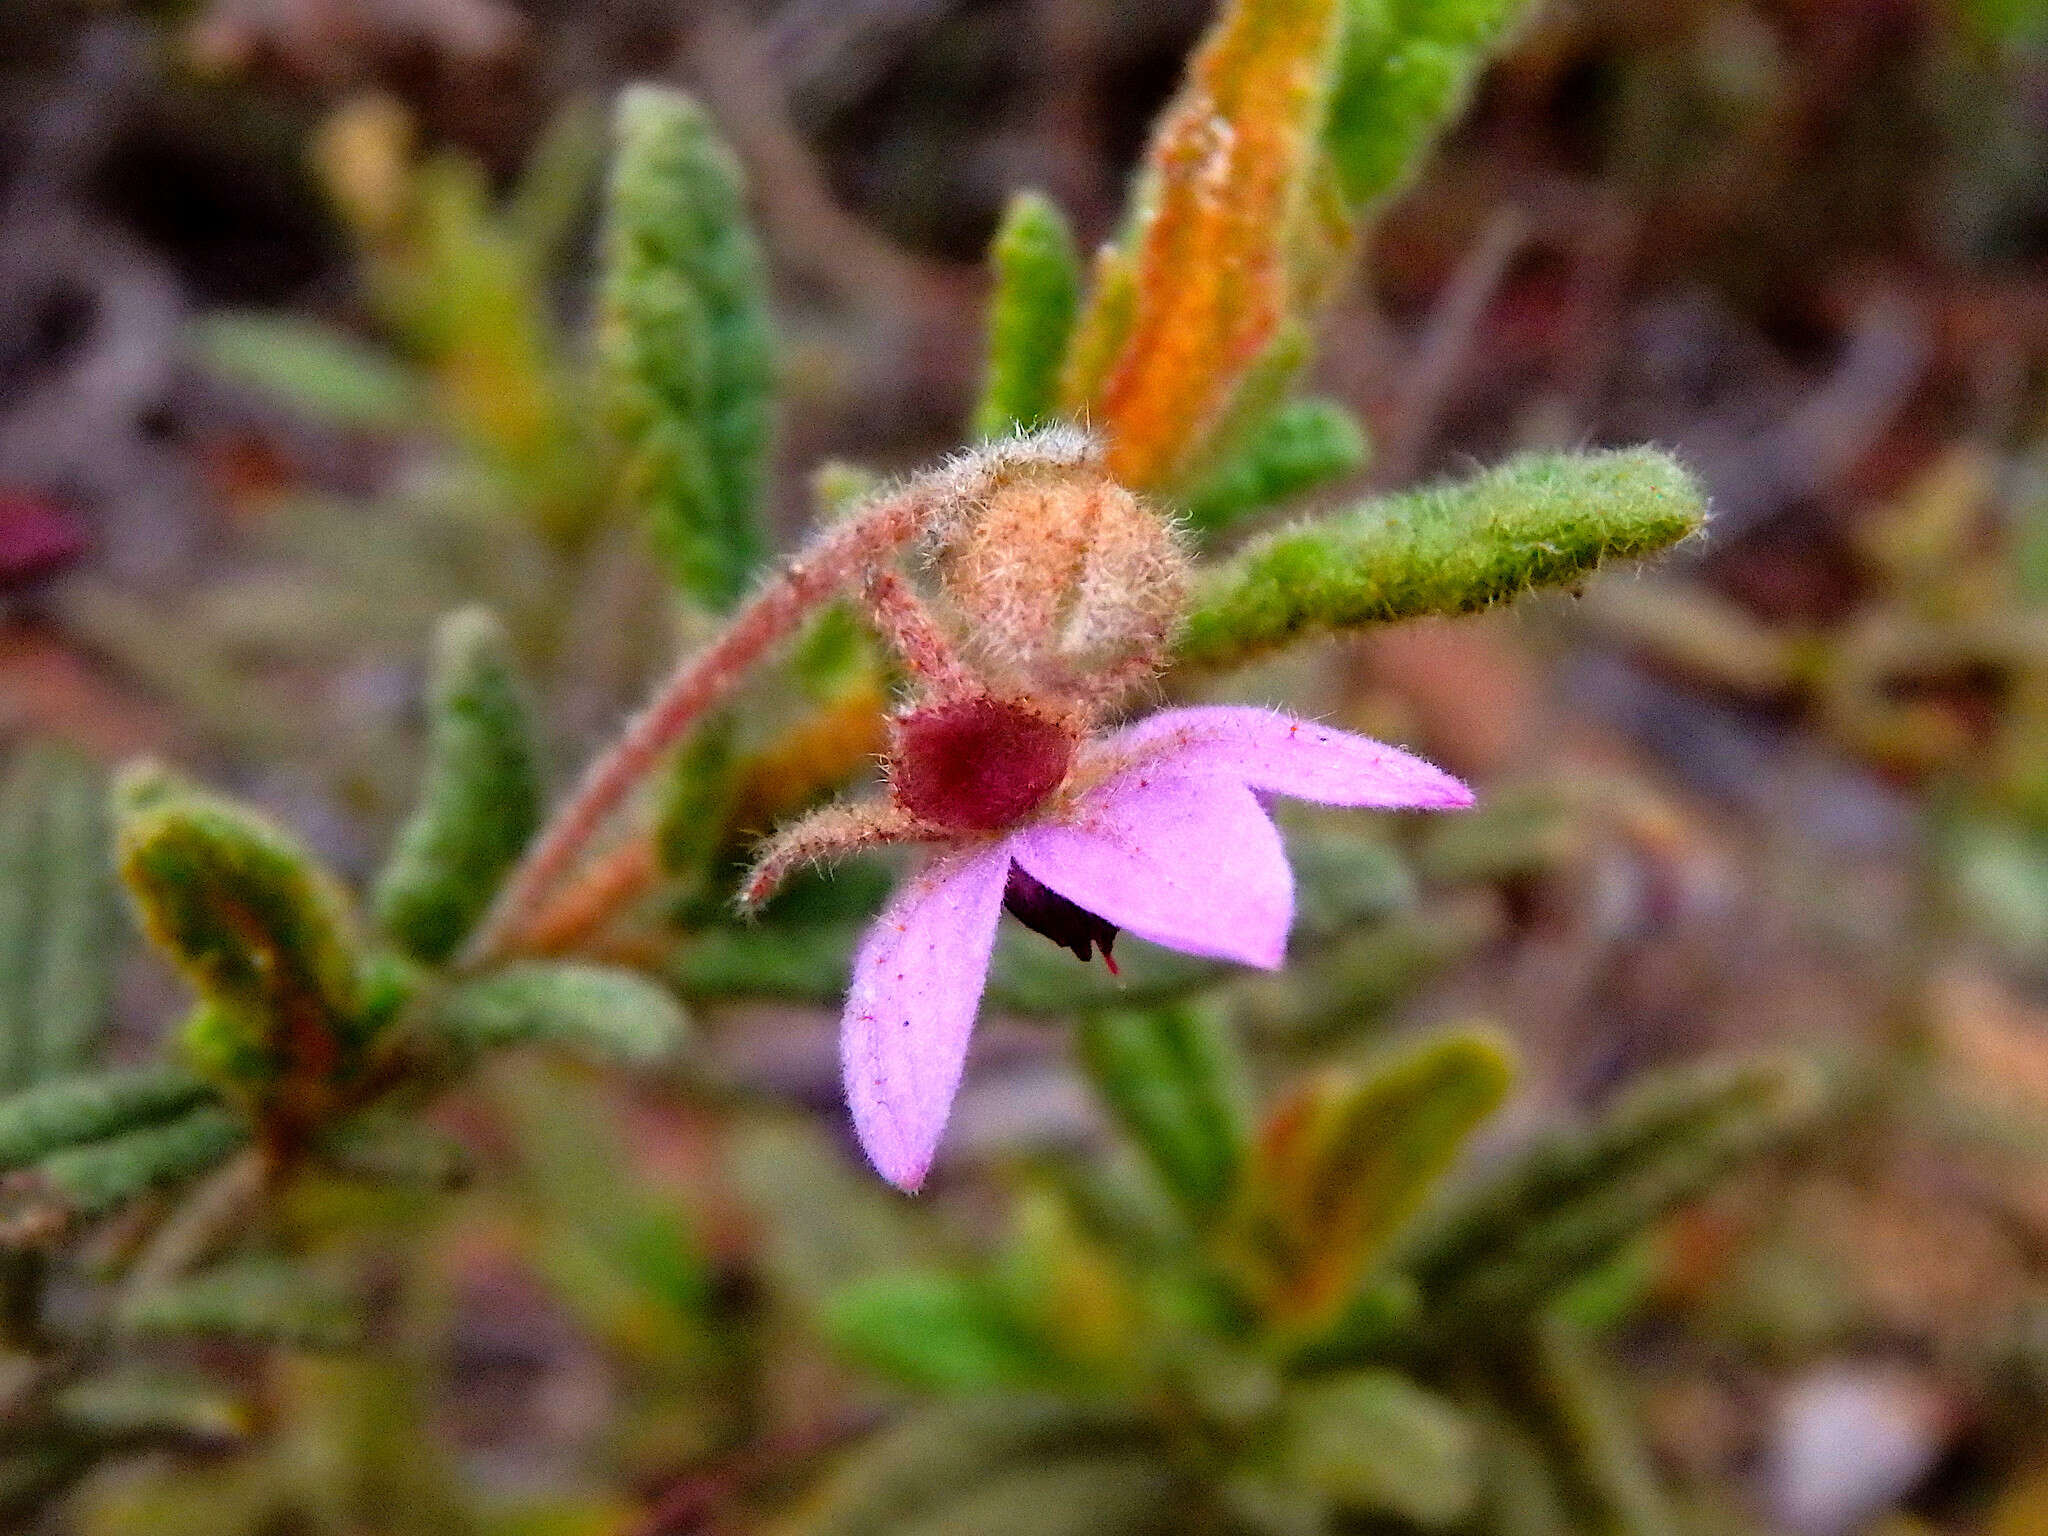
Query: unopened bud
[1062, 576]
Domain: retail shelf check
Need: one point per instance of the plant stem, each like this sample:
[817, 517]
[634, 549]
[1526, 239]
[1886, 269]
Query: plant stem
[703, 680]
[584, 905]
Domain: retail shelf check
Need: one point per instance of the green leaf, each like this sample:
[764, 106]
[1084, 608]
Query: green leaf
[148, 1404]
[256, 927]
[607, 1012]
[1031, 316]
[1346, 1160]
[558, 182]
[481, 800]
[1522, 1495]
[1376, 1443]
[1545, 519]
[934, 1330]
[806, 963]
[685, 347]
[57, 929]
[261, 1299]
[1576, 1198]
[1403, 72]
[696, 795]
[103, 1174]
[939, 1470]
[1298, 447]
[323, 374]
[64, 1112]
[1605, 1457]
[1172, 1078]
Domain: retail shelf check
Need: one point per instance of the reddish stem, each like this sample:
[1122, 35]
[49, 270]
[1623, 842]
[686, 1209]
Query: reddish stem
[585, 904]
[772, 615]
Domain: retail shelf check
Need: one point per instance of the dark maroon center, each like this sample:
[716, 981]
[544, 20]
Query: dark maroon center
[977, 765]
[1044, 910]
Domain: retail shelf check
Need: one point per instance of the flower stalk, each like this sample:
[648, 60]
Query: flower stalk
[703, 680]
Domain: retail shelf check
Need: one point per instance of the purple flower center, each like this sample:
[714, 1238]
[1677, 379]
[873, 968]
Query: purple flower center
[978, 765]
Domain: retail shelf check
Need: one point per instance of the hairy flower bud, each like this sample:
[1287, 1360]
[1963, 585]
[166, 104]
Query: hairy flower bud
[1058, 577]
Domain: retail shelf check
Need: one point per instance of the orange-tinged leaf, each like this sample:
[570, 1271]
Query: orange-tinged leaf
[1344, 1161]
[1206, 277]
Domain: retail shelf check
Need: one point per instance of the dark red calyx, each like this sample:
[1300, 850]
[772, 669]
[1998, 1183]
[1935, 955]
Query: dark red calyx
[1044, 910]
[977, 765]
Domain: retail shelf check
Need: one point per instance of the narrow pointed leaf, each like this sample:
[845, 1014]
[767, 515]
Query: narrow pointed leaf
[1609, 1465]
[100, 1175]
[1031, 317]
[685, 349]
[1344, 1162]
[57, 915]
[260, 1299]
[481, 799]
[1298, 447]
[1172, 1078]
[610, 1013]
[1205, 282]
[63, 1112]
[1544, 519]
[1402, 74]
[1573, 1200]
[325, 375]
[256, 927]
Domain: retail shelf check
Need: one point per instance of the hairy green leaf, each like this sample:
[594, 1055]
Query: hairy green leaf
[1545, 519]
[1376, 1443]
[103, 1174]
[481, 800]
[685, 346]
[1403, 72]
[257, 928]
[56, 915]
[1299, 446]
[63, 1112]
[1031, 316]
[610, 1013]
[1172, 1078]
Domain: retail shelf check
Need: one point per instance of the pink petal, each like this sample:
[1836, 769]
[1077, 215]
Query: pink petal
[1285, 755]
[917, 984]
[1191, 862]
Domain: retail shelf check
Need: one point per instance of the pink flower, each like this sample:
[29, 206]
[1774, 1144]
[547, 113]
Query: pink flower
[1159, 830]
